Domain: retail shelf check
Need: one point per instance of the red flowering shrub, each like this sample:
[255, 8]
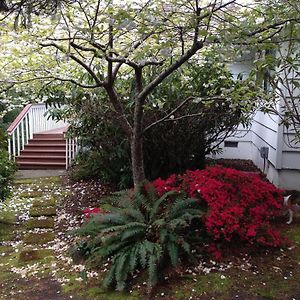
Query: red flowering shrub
[239, 205]
[89, 212]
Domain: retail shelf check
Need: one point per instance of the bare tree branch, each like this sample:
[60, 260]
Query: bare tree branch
[76, 59]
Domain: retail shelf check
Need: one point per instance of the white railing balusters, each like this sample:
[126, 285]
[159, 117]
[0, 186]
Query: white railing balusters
[18, 140]
[31, 120]
[9, 148]
[72, 148]
[14, 145]
[27, 128]
[23, 133]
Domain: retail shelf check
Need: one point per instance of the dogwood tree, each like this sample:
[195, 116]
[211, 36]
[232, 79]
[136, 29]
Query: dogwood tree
[109, 40]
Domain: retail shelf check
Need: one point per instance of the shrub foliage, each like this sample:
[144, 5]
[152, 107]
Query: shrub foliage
[240, 206]
[7, 167]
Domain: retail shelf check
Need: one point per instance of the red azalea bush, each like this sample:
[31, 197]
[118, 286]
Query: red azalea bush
[239, 205]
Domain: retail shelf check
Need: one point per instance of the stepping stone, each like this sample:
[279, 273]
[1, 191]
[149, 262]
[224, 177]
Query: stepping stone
[39, 238]
[43, 202]
[40, 223]
[31, 194]
[30, 254]
[42, 211]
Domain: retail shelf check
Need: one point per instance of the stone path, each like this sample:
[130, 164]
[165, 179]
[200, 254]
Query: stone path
[28, 241]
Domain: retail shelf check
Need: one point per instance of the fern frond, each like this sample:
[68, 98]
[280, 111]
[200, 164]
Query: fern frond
[135, 232]
[121, 269]
[143, 254]
[159, 202]
[133, 258]
[152, 269]
[186, 247]
[110, 276]
[172, 248]
[180, 205]
[134, 213]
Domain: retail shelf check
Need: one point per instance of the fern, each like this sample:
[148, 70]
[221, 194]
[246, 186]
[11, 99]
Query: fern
[141, 232]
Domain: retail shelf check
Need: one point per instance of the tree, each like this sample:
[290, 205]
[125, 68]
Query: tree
[280, 66]
[109, 41]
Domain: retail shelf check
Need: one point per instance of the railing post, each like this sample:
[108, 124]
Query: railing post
[67, 158]
[27, 128]
[9, 147]
[30, 124]
[14, 145]
[22, 134]
[18, 140]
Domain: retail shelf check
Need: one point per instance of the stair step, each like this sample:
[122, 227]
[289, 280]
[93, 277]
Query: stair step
[48, 135]
[39, 158]
[47, 141]
[31, 165]
[43, 152]
[46, 146]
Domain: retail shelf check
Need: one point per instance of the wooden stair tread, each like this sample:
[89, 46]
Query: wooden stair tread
[39, 156]
[41, 163]
[43, 150]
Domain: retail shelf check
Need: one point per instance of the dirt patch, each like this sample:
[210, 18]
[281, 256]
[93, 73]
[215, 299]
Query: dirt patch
[238, 164]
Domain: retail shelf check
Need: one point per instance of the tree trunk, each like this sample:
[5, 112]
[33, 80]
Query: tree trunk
[137, 155]
[137, 160]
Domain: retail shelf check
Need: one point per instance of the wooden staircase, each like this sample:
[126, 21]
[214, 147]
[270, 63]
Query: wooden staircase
[43, 151]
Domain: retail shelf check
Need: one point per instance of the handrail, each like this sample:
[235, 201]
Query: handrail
[31, 120]
[18, 119]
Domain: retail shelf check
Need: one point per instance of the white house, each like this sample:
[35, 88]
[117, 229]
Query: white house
[266, 142]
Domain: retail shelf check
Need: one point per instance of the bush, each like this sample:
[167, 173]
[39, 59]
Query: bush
[240, 206]
[144, 232]
[7, 167]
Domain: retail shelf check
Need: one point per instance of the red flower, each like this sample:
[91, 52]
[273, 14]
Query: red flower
[89, 212]
[239, 205]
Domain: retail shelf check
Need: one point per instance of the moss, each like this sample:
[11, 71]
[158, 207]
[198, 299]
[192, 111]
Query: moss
[41, 202]
[6, 232]
[39, 238]
[30, 254]
[44, 223]
[42, 211]
[99, 293]
[272, 287]
[213, 282]
[31, 194]
[44, 180]
[294, 234]
[6, 249]
[7, 217]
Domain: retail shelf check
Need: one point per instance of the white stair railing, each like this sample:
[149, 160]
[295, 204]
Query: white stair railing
[32, 119]
[72, 148]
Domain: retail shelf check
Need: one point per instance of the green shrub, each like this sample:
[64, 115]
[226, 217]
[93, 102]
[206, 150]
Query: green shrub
[143, 233]
[7, 167]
